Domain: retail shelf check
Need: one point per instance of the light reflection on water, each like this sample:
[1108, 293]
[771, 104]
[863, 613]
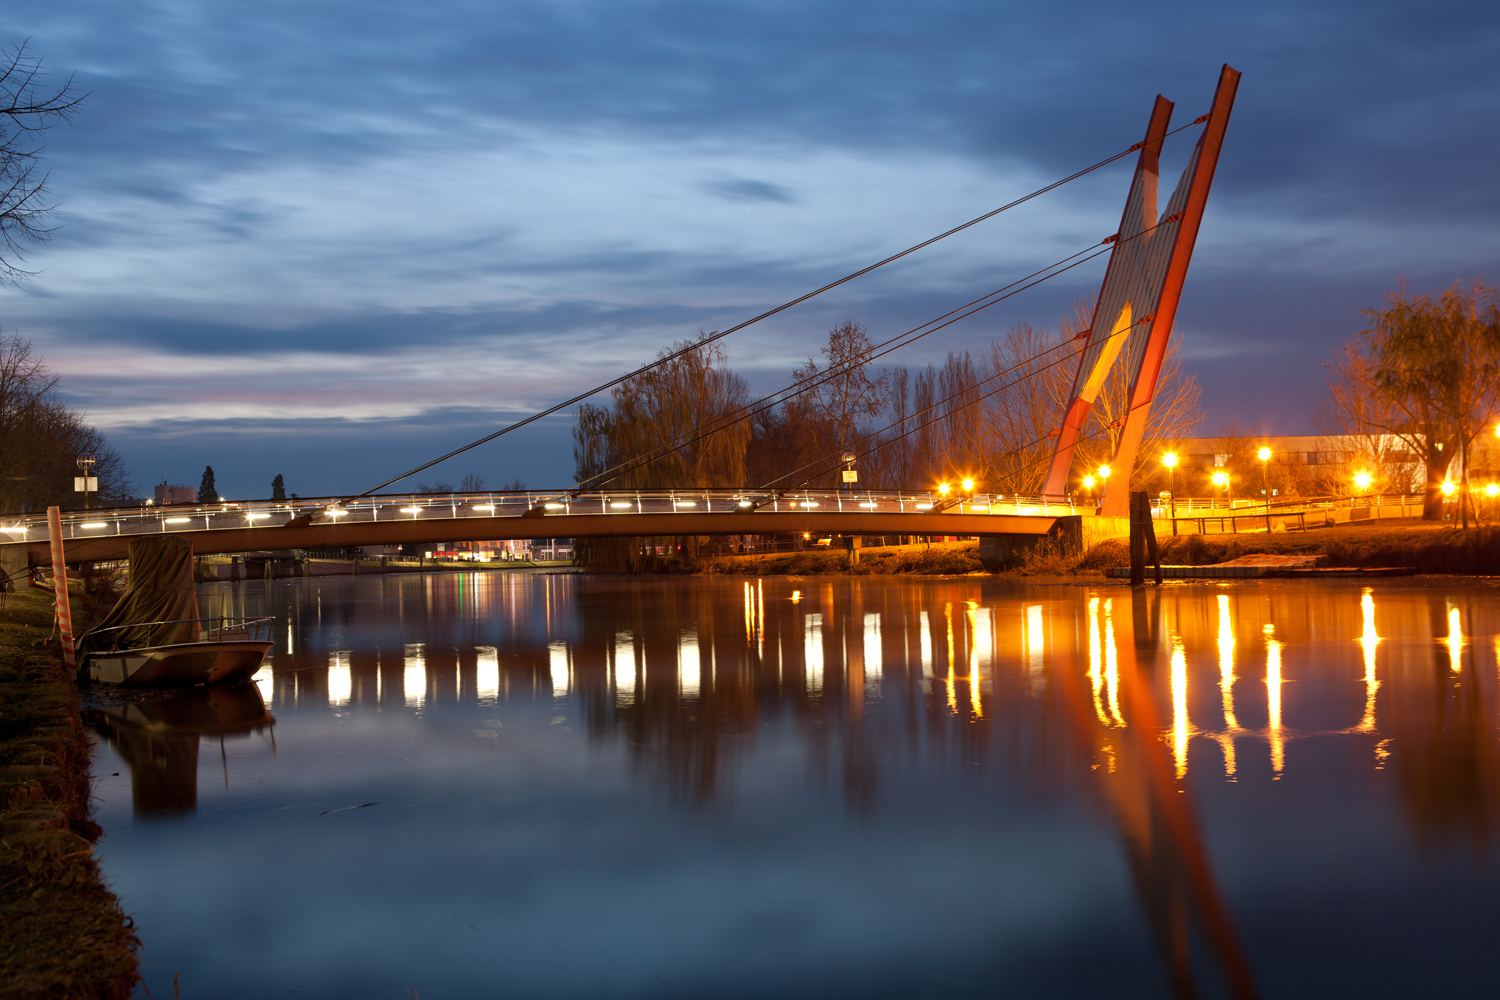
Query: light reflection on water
[824, 787]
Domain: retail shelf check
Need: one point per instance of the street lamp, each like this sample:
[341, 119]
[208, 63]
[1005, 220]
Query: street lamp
[88, 481]
[1265, 485]
[1221, 480]
[1088, 484]
[1170, 461]
[1362, 481]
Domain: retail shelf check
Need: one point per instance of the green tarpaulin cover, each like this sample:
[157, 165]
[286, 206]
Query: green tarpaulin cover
[161, 590]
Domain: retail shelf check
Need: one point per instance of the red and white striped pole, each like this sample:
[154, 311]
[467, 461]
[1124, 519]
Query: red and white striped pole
[60, 584]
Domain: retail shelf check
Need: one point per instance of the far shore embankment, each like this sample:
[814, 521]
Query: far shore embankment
[1422, 546]
[208, 569]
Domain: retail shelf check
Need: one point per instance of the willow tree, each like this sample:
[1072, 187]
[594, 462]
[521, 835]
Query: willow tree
[1432, 366]
[677, 426]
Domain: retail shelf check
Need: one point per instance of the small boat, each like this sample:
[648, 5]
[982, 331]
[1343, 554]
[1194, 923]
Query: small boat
[232, 651]
[153, 635]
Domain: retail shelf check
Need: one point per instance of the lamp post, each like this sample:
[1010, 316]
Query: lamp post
[1088, 484]
[87, 481]
[1221, 480]
[1265, 483]
[1170, 461]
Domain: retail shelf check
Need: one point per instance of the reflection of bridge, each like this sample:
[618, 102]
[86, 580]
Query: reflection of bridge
[246, 527]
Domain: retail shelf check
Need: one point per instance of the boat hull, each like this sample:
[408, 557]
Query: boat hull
[181, 664]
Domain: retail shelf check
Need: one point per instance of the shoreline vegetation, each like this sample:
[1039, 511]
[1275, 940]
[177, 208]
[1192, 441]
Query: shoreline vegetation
[1423, 546]
[65, 934]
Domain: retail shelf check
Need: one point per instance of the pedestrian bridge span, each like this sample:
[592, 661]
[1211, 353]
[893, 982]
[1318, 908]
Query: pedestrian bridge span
[316, 523]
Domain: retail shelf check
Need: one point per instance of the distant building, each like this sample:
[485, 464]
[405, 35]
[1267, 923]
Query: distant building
[167, 495]
[551, 548]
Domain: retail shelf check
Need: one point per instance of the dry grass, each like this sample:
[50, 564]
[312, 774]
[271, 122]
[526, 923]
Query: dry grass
[1423, 546]
[65, 935]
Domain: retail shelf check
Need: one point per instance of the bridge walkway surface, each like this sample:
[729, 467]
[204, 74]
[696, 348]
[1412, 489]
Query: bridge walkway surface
[387, 519]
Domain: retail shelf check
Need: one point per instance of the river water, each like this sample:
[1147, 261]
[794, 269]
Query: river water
[551, 785]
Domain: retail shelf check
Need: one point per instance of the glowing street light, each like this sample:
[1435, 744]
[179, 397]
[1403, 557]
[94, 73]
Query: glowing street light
[943, 488]
[1088, 484]
[1492, 490]
[1448, 487]
[1170, 461]
[1221, 480]
[1265, 486]
[1362, 480]
[968, 486]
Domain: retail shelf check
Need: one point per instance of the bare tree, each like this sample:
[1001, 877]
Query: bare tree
[842, 396]
[1021, 420]
[1426, 371]
[27, 109]
[41, 439]
[994, 418]
[1176, 409]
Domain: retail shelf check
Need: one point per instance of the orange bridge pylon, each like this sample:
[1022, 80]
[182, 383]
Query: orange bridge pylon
[1142, 286]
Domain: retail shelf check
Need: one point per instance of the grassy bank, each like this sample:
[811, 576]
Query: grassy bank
[1423, 546]
[64, 933]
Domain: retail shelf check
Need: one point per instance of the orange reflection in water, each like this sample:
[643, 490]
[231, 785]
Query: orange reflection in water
[1455, 641]
[1275, 734]
[1368, 640]
[1232, 728]
[1182, 726]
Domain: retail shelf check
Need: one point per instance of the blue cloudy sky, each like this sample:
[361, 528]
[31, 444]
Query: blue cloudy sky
[329, 239]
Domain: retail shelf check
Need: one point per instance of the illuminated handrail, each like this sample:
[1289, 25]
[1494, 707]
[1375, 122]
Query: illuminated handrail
[502, 504]
[269, 514]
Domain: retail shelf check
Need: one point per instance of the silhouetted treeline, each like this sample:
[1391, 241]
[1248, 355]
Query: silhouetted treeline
[42, 438]
[987, 416]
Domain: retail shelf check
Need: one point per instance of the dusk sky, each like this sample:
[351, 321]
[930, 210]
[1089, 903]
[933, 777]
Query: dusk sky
[330, 240]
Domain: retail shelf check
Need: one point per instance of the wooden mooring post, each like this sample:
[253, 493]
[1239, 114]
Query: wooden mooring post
[1142, 539]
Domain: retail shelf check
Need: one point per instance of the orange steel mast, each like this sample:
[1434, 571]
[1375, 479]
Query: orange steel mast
[1142, 287]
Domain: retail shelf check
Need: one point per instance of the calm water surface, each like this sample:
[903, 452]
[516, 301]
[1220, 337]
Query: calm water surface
[511, 785]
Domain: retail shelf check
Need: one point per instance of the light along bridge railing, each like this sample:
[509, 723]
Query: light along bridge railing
[554, 505]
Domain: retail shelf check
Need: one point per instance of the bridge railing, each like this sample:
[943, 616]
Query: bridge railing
[500, 505]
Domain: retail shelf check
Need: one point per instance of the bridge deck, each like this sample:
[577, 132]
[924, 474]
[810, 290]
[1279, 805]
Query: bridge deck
[246, 527]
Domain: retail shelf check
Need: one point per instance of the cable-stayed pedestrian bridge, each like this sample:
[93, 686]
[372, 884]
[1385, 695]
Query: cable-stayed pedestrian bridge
[1148, 256]
[462, 517]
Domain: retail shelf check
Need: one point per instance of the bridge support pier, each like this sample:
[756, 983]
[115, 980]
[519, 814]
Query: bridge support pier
[1002, 552]
[14, 568]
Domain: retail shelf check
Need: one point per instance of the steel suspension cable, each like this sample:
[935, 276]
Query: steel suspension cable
[859, 360]
[875, 352]
[942, 402]
[765, 315]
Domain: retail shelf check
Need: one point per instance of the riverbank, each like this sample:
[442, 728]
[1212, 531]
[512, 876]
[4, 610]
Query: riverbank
[1408, 542]
[937, 559]
[1423, 546]
[64, 932]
